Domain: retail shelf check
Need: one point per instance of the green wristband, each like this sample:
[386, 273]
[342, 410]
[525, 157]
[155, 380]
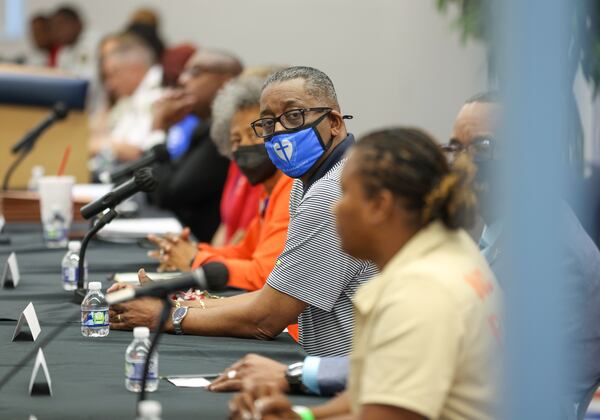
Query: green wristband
[303, 412]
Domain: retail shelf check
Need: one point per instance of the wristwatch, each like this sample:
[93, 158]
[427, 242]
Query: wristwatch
[293, 376]
[177, 318]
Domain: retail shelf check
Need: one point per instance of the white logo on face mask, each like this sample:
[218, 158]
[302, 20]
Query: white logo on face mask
[284, 150]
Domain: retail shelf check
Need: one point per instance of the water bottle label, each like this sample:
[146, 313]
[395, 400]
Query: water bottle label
[135, 371]
[53, 233]
[70, 274]
[94, 318]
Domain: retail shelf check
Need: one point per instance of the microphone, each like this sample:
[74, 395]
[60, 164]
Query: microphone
[143, 180]
[59, 112]
[158, 153]
[197, 279]
[202, 278]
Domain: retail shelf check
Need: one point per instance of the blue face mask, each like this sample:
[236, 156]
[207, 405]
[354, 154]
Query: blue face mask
[294, 152]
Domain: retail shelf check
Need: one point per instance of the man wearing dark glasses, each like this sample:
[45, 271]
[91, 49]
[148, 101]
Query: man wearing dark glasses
[474, 133]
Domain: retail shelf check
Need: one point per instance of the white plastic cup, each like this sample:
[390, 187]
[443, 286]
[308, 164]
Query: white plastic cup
[56, 206]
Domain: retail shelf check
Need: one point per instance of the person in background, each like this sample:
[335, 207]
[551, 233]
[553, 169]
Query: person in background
[102, 120]
[130, 74]
[476, 133]
[427, 327]
[45, 50]
[146, 16]
[239, 202]
[313, 280]
[145, 22]
[149, 34]
[192, 183]
[249, 262]
[77, 49]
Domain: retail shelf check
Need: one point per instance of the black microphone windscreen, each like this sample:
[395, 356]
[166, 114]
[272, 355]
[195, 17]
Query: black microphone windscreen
[60, 110]
[216, 274]
[145, 180]
[161, 153]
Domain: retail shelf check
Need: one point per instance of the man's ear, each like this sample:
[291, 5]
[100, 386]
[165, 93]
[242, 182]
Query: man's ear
[336, 122]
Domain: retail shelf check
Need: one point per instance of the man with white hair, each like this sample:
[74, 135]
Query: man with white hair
[131, 73]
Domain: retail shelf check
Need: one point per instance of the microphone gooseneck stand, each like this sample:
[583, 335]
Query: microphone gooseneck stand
[24, 152]
[106, 218]
[164, 316]
[24, 146]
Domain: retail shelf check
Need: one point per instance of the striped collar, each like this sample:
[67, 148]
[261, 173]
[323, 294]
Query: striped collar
[337, 154]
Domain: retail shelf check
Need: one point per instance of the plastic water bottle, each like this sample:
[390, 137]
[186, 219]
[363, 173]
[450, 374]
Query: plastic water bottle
[149, 410]
[70, 267]
[135, 357]
[94, 312]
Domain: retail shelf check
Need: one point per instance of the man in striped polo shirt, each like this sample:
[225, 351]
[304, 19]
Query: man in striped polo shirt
[306, 138]
[313, 280]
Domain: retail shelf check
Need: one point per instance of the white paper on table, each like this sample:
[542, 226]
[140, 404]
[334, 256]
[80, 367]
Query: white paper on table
[189, 382]
[140, 228]
[132, 278]
[90, 192]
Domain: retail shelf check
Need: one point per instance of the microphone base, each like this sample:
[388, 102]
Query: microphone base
[78, 296]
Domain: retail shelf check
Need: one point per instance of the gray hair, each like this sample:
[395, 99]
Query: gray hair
[239, 93]
[318, 84]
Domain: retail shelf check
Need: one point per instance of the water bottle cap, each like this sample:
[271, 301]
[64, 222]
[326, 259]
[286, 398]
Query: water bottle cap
[149, 408]
[141, 332]
[95, 285]
[74, 246]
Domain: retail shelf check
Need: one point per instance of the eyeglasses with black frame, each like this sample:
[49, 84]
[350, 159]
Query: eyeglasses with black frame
[481, 148]
[292, 119]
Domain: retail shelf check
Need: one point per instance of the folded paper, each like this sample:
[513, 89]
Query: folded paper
[44, 385]
[28, 317]
[10, 274]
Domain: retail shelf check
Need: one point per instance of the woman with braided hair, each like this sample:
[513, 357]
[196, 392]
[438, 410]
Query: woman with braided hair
[427, 326]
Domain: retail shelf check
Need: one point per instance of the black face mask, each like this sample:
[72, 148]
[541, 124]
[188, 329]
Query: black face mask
[254, 163]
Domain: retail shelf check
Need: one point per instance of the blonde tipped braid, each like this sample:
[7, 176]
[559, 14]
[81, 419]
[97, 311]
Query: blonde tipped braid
[455, 192]
[439, 194]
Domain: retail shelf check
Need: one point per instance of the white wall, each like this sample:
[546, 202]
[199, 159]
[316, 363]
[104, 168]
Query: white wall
[392, 61]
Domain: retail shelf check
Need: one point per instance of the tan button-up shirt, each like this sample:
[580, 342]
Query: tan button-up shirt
[427, 329]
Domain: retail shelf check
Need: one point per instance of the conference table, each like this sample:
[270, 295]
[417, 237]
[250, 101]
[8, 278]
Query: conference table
[87, 374]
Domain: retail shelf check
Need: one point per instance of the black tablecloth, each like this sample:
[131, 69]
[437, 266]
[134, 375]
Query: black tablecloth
[88, 374]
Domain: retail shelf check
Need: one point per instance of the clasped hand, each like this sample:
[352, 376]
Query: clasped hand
[261, 401]
[175, 252]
